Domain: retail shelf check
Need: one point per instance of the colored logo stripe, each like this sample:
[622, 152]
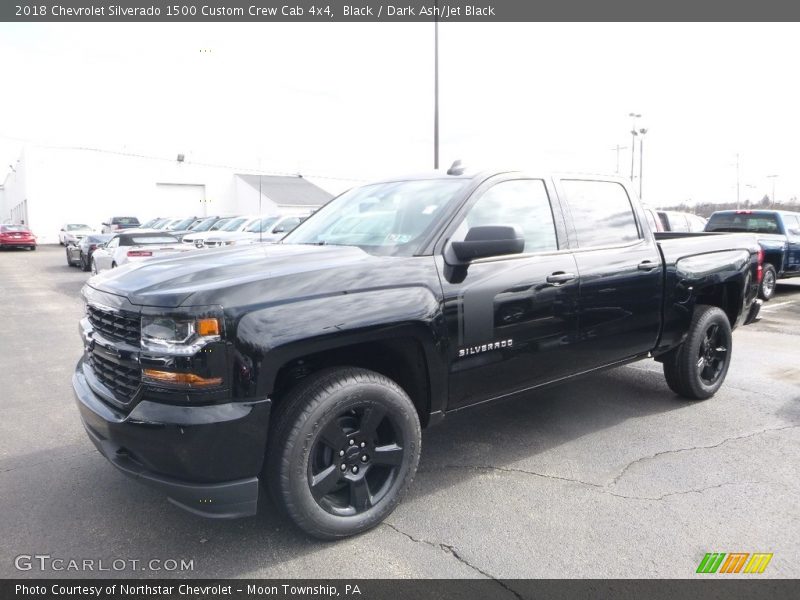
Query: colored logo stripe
[758, 562]
[713, 562]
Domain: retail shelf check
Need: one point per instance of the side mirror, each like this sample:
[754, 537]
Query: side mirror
[279, 229]
[489, 240]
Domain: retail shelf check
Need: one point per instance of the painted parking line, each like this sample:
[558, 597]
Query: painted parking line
[778, 305]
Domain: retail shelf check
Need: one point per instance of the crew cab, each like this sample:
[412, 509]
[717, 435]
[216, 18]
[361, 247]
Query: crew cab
[778, 233]
[311, 365]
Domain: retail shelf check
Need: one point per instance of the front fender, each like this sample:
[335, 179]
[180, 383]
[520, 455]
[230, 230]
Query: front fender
[273, 336]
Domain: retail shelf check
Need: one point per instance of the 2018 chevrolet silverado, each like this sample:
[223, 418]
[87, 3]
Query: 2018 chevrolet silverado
[311, 365]
[778, 232]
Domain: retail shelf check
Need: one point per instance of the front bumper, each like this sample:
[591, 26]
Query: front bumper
[206, 459]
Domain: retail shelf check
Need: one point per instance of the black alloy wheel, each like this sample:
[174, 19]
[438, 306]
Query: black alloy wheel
[697, 368]
[355, 460]
[713, 355]
[343, 449]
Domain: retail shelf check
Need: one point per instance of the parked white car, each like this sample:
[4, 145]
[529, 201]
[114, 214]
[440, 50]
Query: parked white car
[72, 233]
[128, 247]
[233, 224]
[265, 229]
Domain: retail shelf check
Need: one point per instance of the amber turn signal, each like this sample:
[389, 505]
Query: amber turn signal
[207, 327]
[182, 379]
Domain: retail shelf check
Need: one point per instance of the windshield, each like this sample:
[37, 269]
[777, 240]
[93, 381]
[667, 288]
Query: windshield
[383, 218]
[181, 224]
[754, 223]
[13, 228]
[261, 225]
[77, 227]
[205, 224]
[125, 221]
[234, 224]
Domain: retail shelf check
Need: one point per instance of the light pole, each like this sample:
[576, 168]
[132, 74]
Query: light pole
[436, 87]
[616, 149]
[634, 116]
[773, 177]
[641, 158]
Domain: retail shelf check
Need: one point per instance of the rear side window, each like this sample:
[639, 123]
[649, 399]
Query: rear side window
[601, 212]
[521, 202]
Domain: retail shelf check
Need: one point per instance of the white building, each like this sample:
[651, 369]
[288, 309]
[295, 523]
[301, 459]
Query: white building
[50, 186]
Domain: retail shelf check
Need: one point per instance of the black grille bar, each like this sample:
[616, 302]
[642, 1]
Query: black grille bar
[115, 325]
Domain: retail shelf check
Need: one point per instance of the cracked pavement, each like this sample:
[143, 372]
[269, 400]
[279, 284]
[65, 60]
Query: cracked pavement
[608, 476]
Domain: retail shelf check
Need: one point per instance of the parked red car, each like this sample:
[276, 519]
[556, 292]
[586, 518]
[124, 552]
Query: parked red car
[16, 236]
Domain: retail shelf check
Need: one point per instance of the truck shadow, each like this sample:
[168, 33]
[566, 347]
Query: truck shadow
[131, 521]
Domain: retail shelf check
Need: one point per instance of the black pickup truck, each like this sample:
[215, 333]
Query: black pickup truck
[778, 233]
[311, 365]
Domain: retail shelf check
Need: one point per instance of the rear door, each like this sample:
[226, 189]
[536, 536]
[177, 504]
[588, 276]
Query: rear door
[511, 319]
[620, 269]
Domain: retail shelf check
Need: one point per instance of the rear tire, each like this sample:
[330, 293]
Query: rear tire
[94, 267]
[69, 260]
[769, 279]
[697, 368]
[83, 264]
[343, 450]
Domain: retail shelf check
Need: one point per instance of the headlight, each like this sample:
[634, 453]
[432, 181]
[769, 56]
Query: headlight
[179, 336]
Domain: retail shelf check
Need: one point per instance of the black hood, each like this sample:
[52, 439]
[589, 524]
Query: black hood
[211, 276]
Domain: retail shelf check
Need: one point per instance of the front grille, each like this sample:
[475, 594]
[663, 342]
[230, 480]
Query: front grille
[115, 325]
[121, 380]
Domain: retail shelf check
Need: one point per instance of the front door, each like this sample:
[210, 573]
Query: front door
[511, 319]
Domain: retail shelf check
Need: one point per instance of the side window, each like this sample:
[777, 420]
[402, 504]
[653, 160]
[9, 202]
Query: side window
[520, 202]
[113, 243]
[601, 211]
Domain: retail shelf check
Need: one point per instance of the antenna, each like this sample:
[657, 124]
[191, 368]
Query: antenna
[456, 168]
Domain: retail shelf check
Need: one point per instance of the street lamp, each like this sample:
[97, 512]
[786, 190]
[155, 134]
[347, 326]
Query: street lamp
[616, 149]
[641, 158]
[436, 87]
[773, 177]
[633, 116]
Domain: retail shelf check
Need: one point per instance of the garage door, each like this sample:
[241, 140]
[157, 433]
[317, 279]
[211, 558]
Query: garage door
[178, 199]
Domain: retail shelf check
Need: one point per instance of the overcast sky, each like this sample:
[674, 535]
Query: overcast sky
[355, 100]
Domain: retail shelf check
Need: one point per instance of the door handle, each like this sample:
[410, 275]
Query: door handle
[647, 265]
[560, 277]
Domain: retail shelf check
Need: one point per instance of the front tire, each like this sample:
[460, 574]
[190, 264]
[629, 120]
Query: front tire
[94, 267]
[769, 279]
[70, 263]
[697, 368]
[343, 450]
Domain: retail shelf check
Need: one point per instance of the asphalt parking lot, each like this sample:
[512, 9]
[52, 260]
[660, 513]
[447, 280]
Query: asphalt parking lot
[610, 476]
